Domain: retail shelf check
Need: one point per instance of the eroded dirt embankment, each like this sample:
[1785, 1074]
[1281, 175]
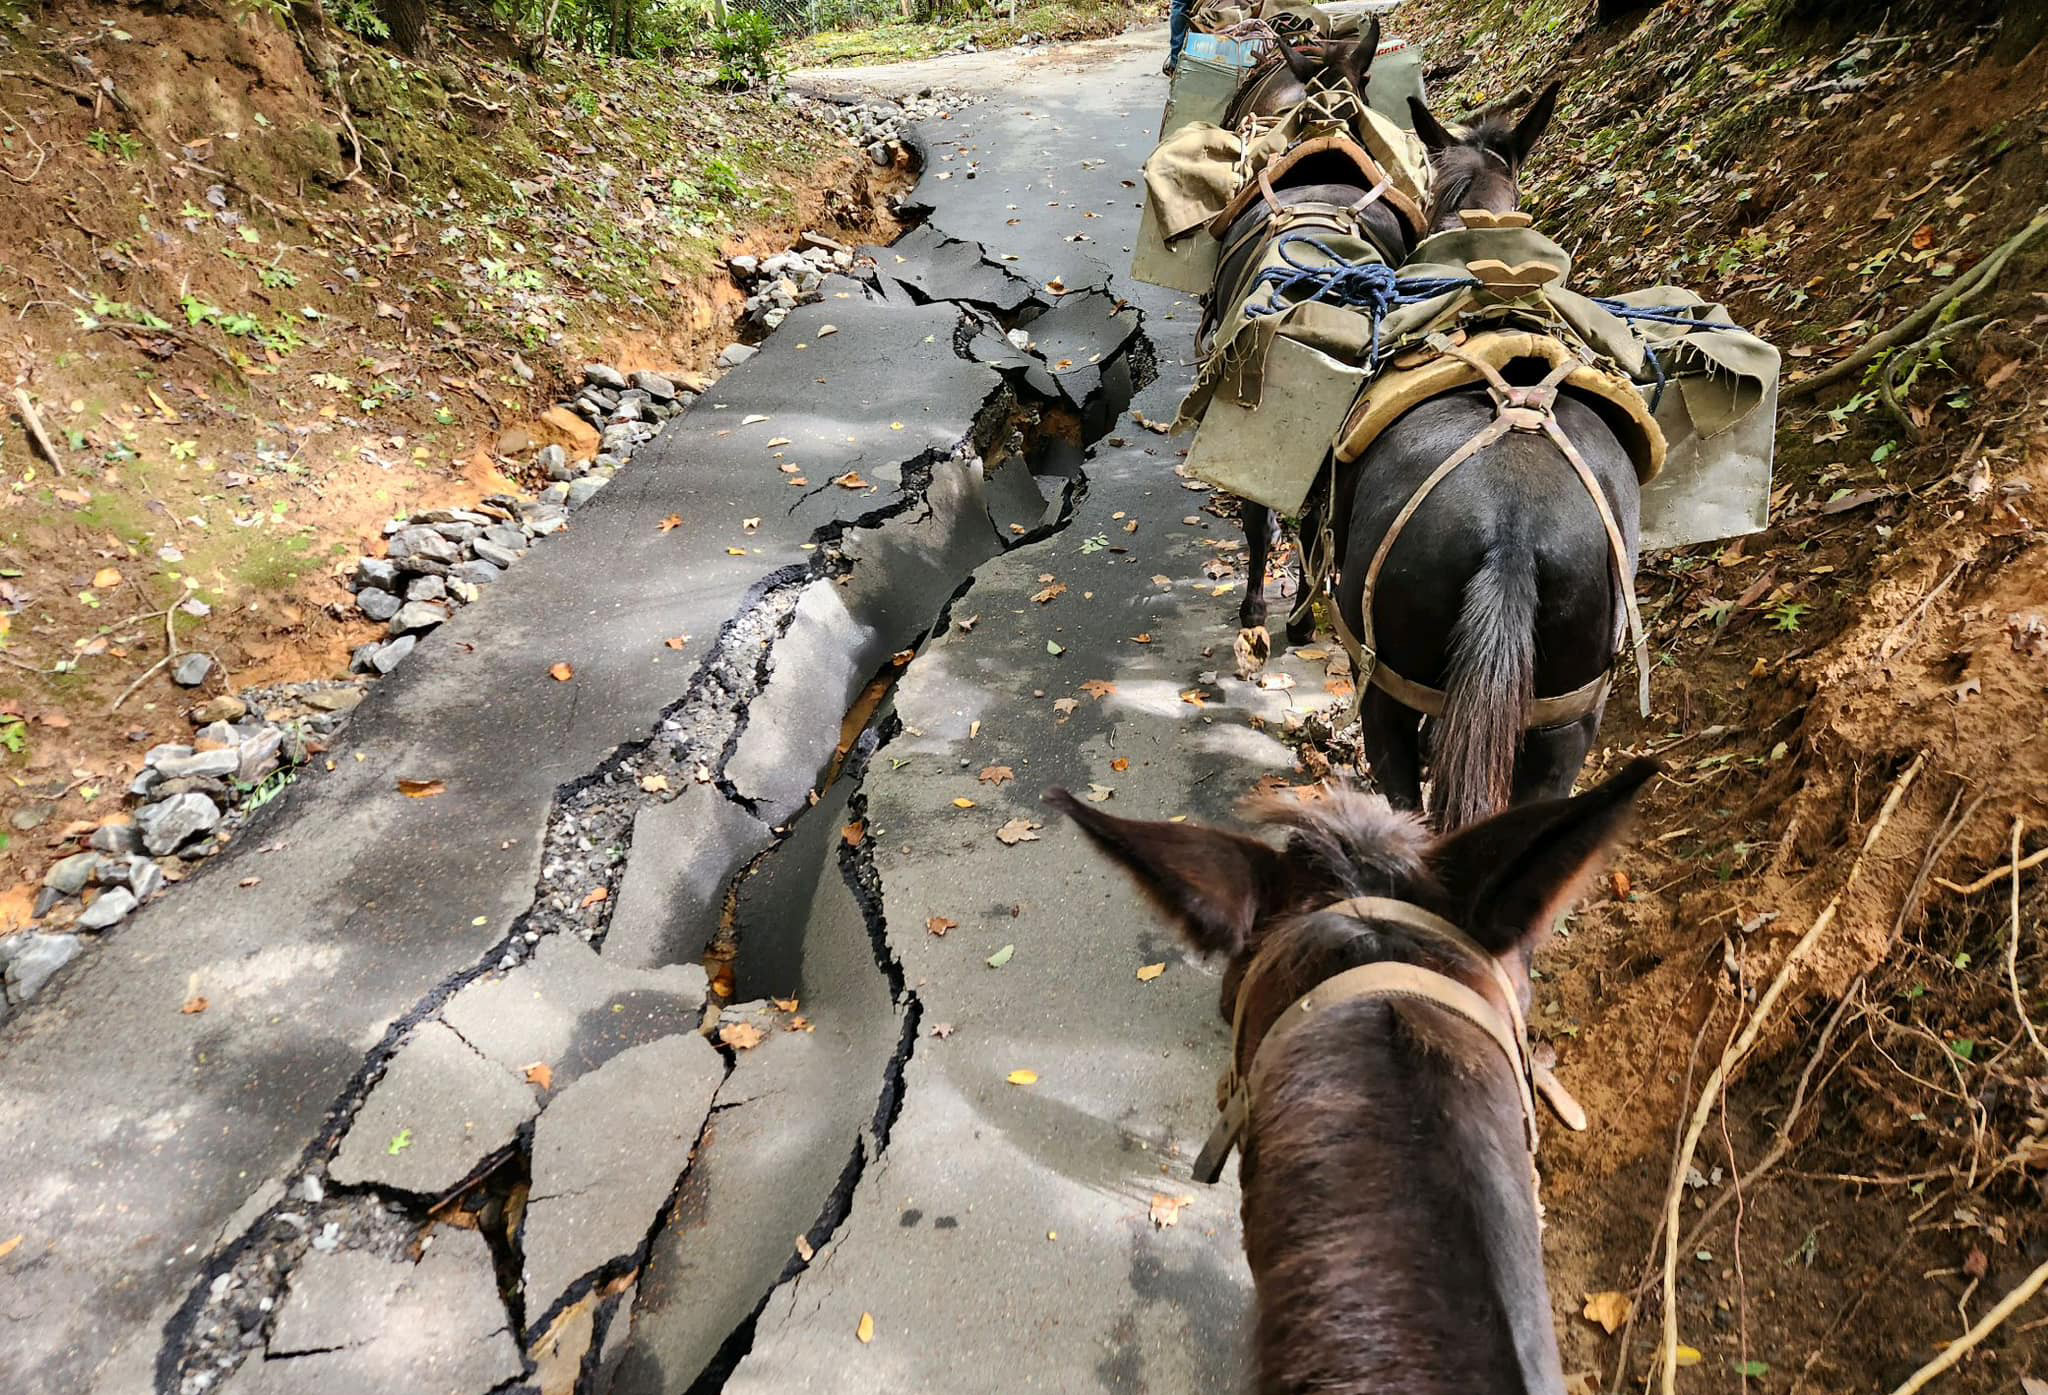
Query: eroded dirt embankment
[1827, 172]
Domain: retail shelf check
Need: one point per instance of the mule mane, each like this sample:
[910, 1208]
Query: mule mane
[1355, 843]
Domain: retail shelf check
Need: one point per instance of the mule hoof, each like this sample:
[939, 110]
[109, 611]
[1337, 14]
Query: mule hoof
[1253, 647]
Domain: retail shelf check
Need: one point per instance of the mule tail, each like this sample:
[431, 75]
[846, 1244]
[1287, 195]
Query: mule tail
[1490, 688]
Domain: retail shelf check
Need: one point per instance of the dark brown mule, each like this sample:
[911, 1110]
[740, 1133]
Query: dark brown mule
[1389, 1217]
[1279, 81]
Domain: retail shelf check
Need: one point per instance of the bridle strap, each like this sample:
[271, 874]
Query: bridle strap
[1503, 1025]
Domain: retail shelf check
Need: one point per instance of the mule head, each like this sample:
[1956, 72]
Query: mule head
[1480, 165]
[1504, 881]
[1351, 59]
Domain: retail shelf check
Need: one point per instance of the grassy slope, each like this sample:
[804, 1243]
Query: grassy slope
[250, 351]
[898, 42]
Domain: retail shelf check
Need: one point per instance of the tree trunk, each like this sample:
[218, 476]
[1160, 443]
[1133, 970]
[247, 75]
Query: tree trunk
[309, 27]
[407, 20]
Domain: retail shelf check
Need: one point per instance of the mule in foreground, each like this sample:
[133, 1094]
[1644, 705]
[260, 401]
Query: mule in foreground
[1377, 980]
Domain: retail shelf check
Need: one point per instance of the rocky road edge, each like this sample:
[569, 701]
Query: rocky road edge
[192, 798]
[506, 1119]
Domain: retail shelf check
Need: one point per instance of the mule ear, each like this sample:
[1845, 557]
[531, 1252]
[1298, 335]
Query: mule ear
[1215, 884]
[1533, 123]
[1431, 131]
[1298, 63]
[1512, 876]
[1358, 63]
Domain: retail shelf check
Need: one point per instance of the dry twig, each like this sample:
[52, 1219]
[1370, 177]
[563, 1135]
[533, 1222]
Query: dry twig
[1911, 329]
[34, 423]
[2012, 948]
[1953, 1352]
[1730, 1057]
[1996, 874]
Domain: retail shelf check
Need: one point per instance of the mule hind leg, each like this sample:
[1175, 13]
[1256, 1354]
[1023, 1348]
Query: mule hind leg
[1391, 736]
[1550, 759]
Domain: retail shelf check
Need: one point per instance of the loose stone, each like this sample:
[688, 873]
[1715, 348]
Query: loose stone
[603, 375]
[585, 489]
[376, 571]
[425, 588]
[478, 573]
[554, 462]
[200, 764]
[497, 556]
[655, 385]
[416, 616]
[169, 825]
[32, 959]
[109, 909]
[734, 355]
[225, 708]
[190, 670]
[377, 605]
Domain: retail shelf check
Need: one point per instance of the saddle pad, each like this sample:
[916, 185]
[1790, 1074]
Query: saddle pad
[1396, 390]
[1271, 452]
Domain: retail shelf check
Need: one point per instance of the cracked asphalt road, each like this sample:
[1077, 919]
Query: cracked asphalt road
[160, 1164]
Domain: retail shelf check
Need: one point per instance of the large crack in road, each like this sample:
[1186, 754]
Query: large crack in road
[755, 730]
[483, 1010]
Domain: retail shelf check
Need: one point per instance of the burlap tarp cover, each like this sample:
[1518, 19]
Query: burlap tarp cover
[1716, 416]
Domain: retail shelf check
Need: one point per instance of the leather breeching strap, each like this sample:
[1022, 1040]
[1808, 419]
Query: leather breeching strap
[1531, 409]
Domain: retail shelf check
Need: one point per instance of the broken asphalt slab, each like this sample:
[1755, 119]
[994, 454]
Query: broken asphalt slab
[137, 1131]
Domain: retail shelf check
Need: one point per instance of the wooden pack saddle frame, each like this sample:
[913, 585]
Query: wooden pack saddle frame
[1527, 409]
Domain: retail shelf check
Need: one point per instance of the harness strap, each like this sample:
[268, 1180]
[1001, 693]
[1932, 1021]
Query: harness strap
[1516, 409]
[1504, 1025]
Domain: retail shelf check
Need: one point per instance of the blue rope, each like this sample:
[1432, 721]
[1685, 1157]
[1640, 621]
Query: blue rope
[1656, 315]
[1372, 286]
[1377, 288]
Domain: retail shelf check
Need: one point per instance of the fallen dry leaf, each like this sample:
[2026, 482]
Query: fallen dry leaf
[939, 925]
[784, 1004]
[1098, 688]
[1610, 1309]
[105, 579]
[1195, 697]
[866, 1330]
[1119, 765]
[963, 804]
[1150, 972]
[671, 523]
[851, 480]
[942, 1030]
[1022, 1077]
[741, 1036]
[1018, 830]
[195, 1004]
[804, 1251]
[855, 833]
[676, 641]
[1621, 884]
[1066, 707]
[654, 784]
[542, 1074]
[1058, 588]
[597, 895]
[1166, 1209]
[996, 774]
[1142, 639]
[1098, 793]
[9, 1246]
[562, 673]
[421, 789]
